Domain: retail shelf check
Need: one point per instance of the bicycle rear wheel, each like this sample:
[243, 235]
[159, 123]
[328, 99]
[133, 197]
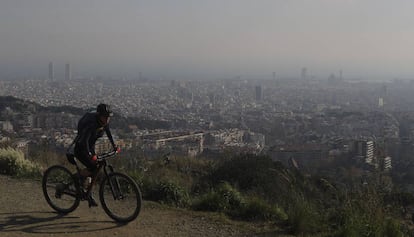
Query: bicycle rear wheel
[120, 197]
[60, 189]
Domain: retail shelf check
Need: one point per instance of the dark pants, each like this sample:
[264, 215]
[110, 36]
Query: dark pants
[81, 153]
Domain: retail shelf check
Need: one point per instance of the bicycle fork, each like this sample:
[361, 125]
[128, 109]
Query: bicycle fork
[113, 183]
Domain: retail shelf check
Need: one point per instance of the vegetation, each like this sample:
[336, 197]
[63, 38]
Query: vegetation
[257, 209]
[13, 162]
[224, 198]
[255, 188]
[167, 192]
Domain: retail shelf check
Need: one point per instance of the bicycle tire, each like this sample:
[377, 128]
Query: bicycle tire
[61, 190]
[123, 203]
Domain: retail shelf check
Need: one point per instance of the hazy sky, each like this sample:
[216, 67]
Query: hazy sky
[214, 38]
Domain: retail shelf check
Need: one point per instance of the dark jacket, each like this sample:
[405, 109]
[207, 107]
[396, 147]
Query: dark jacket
[89, 130]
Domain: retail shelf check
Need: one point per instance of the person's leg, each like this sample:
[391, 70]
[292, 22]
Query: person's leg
[86, 173]
[83, 156]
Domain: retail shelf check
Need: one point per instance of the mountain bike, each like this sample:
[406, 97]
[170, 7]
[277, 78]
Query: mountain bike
[119, 195]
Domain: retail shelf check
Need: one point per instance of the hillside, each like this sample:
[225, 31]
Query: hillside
[20, 107]
[24, 212]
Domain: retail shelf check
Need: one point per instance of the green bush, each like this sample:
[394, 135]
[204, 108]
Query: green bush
[138, 178]
[247, 171]
[359, 221]
[12, 162]
[304, 217]
[364, 214]
[254, 174]
[166, 192]
[224, 198]
[399, 198]
[257, 209]
[227, 199]
[231, 195]
[211, 201]
[183, 171]
[393, 229]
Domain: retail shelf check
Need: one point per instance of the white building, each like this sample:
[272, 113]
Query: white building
[369, 155]
[387, 163]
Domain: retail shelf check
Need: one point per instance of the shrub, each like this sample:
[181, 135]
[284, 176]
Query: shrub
[399, 198]
[363, 214]
[183, 171]
[12, 162]
[137, 177]
[256, 209]
[211, 201]
[224, 198]
[247, 171]
[304, 217]
[393, 229]
[231, 195]
[252, 173]
[167, 192]
[227, 199]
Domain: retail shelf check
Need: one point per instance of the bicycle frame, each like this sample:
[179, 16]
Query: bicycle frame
[108, 169]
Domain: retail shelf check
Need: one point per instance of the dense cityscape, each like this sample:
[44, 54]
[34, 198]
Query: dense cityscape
[305, 121]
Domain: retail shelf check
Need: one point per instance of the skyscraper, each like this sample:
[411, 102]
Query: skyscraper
[381, 98]
[365, 151]
[68, 75]
[51, 73]
[303, 73]
[259, 95]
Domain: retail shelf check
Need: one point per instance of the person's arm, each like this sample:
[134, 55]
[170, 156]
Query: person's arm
[86, 135]
[108, 133]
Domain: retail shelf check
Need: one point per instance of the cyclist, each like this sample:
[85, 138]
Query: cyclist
[91, 127]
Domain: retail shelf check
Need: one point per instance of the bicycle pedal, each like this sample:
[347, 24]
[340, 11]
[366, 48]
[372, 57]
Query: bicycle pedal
[92, 202]
[59, 190]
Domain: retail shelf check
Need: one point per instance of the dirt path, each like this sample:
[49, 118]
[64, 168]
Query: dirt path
[24, 212]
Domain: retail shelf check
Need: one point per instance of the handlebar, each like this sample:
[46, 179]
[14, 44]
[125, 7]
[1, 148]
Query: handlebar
[106, 155]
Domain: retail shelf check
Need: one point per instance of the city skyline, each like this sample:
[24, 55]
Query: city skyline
[366, 39]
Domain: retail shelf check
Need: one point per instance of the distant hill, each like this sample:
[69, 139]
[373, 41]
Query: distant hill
[23, 106]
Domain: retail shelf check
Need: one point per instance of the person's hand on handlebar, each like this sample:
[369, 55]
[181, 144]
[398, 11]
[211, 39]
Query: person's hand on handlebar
[117, 149]
[94, 158]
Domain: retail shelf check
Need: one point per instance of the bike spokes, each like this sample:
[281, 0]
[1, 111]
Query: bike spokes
[120, 197]
[60, 189]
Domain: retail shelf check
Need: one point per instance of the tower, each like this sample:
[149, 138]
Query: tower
[68, 75]
[303, 73]
[51, 73]
[382, 96]
[259, 95]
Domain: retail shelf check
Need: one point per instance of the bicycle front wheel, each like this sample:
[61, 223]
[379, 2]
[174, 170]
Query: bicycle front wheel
[60, 189]
[120, 197]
